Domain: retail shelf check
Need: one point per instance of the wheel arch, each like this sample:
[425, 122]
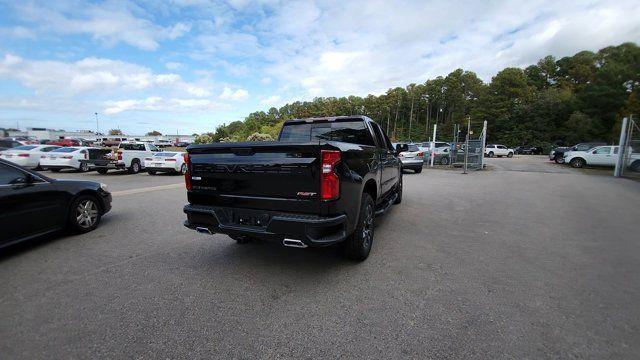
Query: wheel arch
[88, 192]
[584, 161]
[371, 188]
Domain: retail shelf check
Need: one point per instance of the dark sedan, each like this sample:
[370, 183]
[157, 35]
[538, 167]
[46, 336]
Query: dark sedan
[32, 205]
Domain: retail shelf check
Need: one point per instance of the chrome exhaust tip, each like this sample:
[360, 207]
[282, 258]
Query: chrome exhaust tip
[204, 230]
[294, 243]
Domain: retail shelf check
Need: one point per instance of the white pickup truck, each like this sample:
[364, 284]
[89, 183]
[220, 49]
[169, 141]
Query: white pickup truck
[498, 150]
[130, 156]
[600, 156]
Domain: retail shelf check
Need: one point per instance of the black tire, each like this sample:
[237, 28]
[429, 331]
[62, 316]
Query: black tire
[84, 167]
[151, 172]
[102, 171]
[135, 166]
[577, 162]
[183, 169]
[84, 214]
[509, 155]
[417, 170]
[635, 166]
[491, 154]
[444, 160]
[55, 170]
[358, 244]
[559, 160]
[398, 191]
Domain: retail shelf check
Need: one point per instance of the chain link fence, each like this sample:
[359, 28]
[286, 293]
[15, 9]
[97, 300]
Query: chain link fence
[471, 149]
[630, 150]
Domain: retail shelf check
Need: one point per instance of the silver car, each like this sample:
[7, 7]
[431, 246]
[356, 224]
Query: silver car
[412, 159]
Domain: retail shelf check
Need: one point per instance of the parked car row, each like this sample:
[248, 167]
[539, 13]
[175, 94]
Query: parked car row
[598, 156]
[557, 154]
[131, 156]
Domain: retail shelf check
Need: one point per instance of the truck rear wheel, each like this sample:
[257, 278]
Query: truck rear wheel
[358, 244]
[577, 162]
[135, 167]
[102, 171]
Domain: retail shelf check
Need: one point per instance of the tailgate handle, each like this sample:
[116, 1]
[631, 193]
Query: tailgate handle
[243, 151]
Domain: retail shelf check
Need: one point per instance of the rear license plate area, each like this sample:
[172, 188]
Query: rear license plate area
[248, 218]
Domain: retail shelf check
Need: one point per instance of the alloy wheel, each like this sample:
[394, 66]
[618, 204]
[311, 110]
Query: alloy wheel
[86, 213]
[367, 227]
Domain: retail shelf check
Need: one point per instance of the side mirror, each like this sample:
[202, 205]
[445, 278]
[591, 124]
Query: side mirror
[401, 148]
[24, 180]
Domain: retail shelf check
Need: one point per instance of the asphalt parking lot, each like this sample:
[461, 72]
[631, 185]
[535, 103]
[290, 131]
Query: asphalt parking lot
[526, 260]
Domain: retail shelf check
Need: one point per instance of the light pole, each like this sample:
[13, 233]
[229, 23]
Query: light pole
[97, 127]
[426, 125]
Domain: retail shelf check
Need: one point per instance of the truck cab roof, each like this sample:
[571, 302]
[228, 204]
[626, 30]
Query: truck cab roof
[327, 119]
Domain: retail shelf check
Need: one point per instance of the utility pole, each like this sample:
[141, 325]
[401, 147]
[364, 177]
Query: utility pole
[622, 145]
[426, 125]
[466, 146]
[388, 118]
[395, 122]
[97, 127]
[432, 148]
[410, 117]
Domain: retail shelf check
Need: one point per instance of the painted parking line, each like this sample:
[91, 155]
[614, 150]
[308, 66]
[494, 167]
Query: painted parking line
[146, 189]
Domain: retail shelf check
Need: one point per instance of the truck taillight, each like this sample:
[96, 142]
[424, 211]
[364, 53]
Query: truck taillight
[86, 156]
[119, 155]
[23, 155]
[329, 181]
[421, 153]
[187, 175]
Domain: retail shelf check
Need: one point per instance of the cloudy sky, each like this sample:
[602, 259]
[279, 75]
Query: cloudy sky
[189, 65]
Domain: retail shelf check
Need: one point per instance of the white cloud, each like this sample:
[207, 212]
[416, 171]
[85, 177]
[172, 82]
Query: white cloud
[266, 80]
[271, 100]
[107, 22]
[334, 49]
[157, 103]
[171, 65]
[91, 74]
[17, 32]
[234, 95]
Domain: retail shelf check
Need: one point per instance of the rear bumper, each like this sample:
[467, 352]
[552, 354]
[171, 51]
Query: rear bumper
[161, 169]
[412, 163]
[59, 167]
[268, 225]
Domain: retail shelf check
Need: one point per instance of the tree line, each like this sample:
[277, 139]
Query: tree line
[553, 102]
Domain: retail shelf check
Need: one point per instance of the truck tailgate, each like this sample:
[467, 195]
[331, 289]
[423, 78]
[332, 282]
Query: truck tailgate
[268, 175]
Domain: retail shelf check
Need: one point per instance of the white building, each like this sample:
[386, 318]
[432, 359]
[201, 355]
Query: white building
[51, 134]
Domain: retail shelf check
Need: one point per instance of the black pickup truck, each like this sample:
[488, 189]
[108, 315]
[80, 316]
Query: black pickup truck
[320, 184]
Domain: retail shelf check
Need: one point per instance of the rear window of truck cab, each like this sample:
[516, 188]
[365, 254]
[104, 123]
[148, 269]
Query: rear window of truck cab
[354, 132]
[137, 147]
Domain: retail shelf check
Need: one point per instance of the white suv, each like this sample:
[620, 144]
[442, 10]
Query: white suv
[498, 150]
